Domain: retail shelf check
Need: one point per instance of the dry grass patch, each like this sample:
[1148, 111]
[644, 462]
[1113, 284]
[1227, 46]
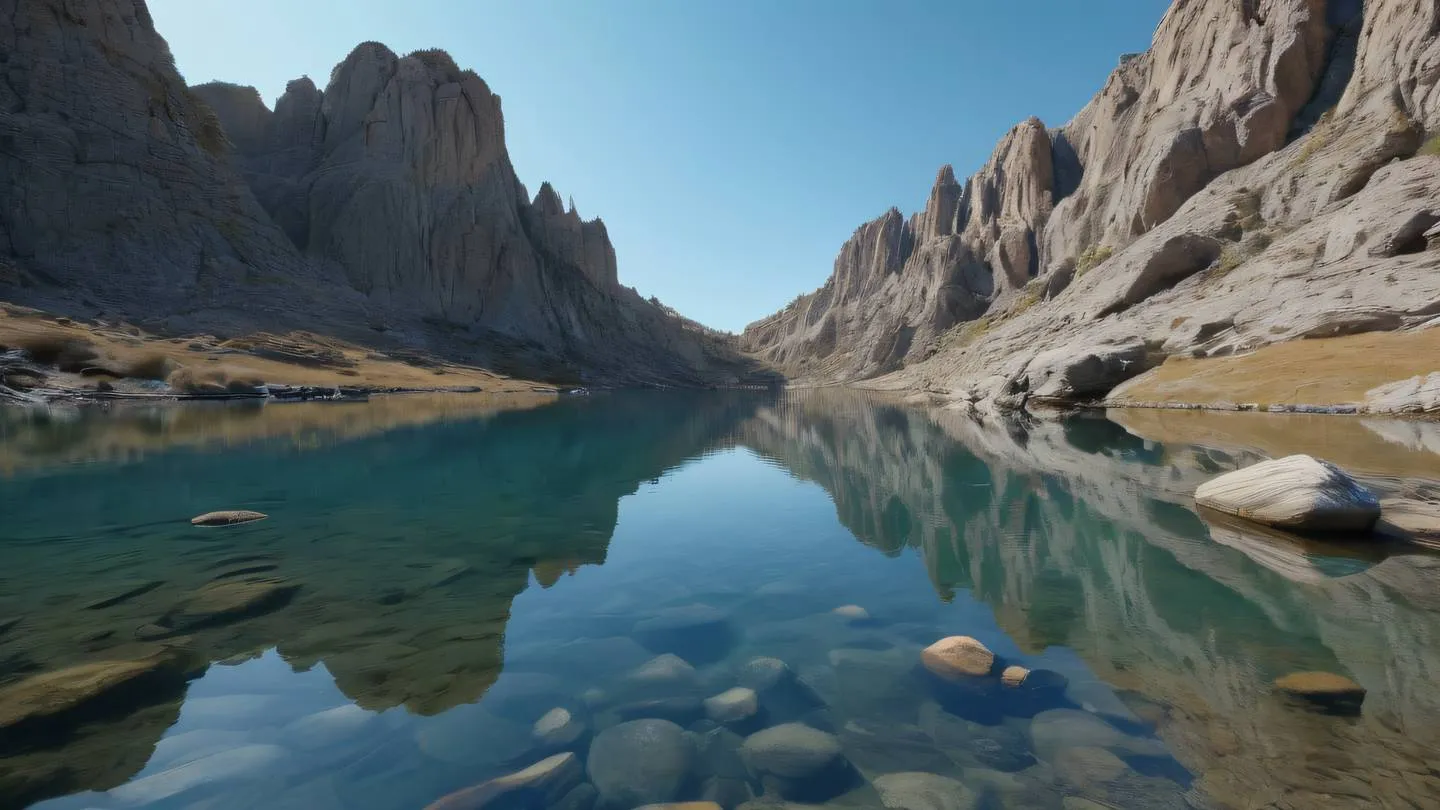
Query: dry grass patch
[1329, 371]
[122, 350]
[1091, 258]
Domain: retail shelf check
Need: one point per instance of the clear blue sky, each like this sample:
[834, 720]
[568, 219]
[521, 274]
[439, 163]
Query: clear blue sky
[731, 146]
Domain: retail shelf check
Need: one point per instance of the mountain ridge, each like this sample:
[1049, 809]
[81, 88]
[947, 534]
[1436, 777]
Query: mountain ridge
[1146, 226]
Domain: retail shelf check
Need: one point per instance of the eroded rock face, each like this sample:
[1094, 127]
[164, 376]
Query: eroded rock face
[398, 173]
[115, 189]
[1233, 186]
[381, 210]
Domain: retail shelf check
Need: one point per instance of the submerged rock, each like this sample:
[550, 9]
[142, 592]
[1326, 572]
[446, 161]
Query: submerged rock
[558, 728]
[547, 781]
[727, 792]
[50, 701]
[923, 791]
[780, 693]
[854, 613]
[640, 762]
[341, 724]
[1412, 520]
[732, 706]
[1057, 729]
[227, 601]
[1296, 492]
[797, 762]
[665, 672]
[1323, 690]
[679, 710]
[236, 763]
[227, 518]
[958, 657]
[698, 633]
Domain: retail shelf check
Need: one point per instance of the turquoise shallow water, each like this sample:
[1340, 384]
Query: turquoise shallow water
[428, 589]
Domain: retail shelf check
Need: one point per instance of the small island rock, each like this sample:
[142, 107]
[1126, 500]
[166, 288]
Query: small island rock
[958, 657]
[1014, 676]
[227, 518]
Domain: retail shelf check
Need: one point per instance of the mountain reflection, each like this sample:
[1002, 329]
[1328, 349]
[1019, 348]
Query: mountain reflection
[409, 541]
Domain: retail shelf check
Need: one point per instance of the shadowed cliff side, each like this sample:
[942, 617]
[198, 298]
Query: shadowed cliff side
[383, 210]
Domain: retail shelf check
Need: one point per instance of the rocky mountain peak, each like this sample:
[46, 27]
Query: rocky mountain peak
[1091, 249]
[939, 216]
[547, 201]
[398, 210]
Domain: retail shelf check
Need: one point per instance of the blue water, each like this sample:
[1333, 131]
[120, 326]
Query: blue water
[446, 581]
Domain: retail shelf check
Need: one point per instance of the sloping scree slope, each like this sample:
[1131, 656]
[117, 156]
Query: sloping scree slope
[1259, 175]
[383, 209]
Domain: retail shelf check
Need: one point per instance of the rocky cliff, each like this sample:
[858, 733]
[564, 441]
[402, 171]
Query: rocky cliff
[1267, 171]
[383, 208]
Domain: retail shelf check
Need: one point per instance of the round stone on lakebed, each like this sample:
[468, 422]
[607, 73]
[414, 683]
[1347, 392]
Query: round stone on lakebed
[558, 728]
[698, 633]
[732, 706]
[1323, 690]
[640, 762]
[798, 762]
[230, 517]
[958, 657]
[923, 791]
[547, 781]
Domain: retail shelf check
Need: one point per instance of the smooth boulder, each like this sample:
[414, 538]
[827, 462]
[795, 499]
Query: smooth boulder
[732, 706]
[781, 694]
[640, 762]
[699, 633]
[1296, 492]
[558, 728]
[797, 762]
[547, 781]
[958, 657]
[923, 791]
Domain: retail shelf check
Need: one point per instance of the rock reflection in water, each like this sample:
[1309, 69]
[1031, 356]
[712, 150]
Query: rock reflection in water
[1135, 645]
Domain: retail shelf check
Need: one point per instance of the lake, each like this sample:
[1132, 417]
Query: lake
[650, 597]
